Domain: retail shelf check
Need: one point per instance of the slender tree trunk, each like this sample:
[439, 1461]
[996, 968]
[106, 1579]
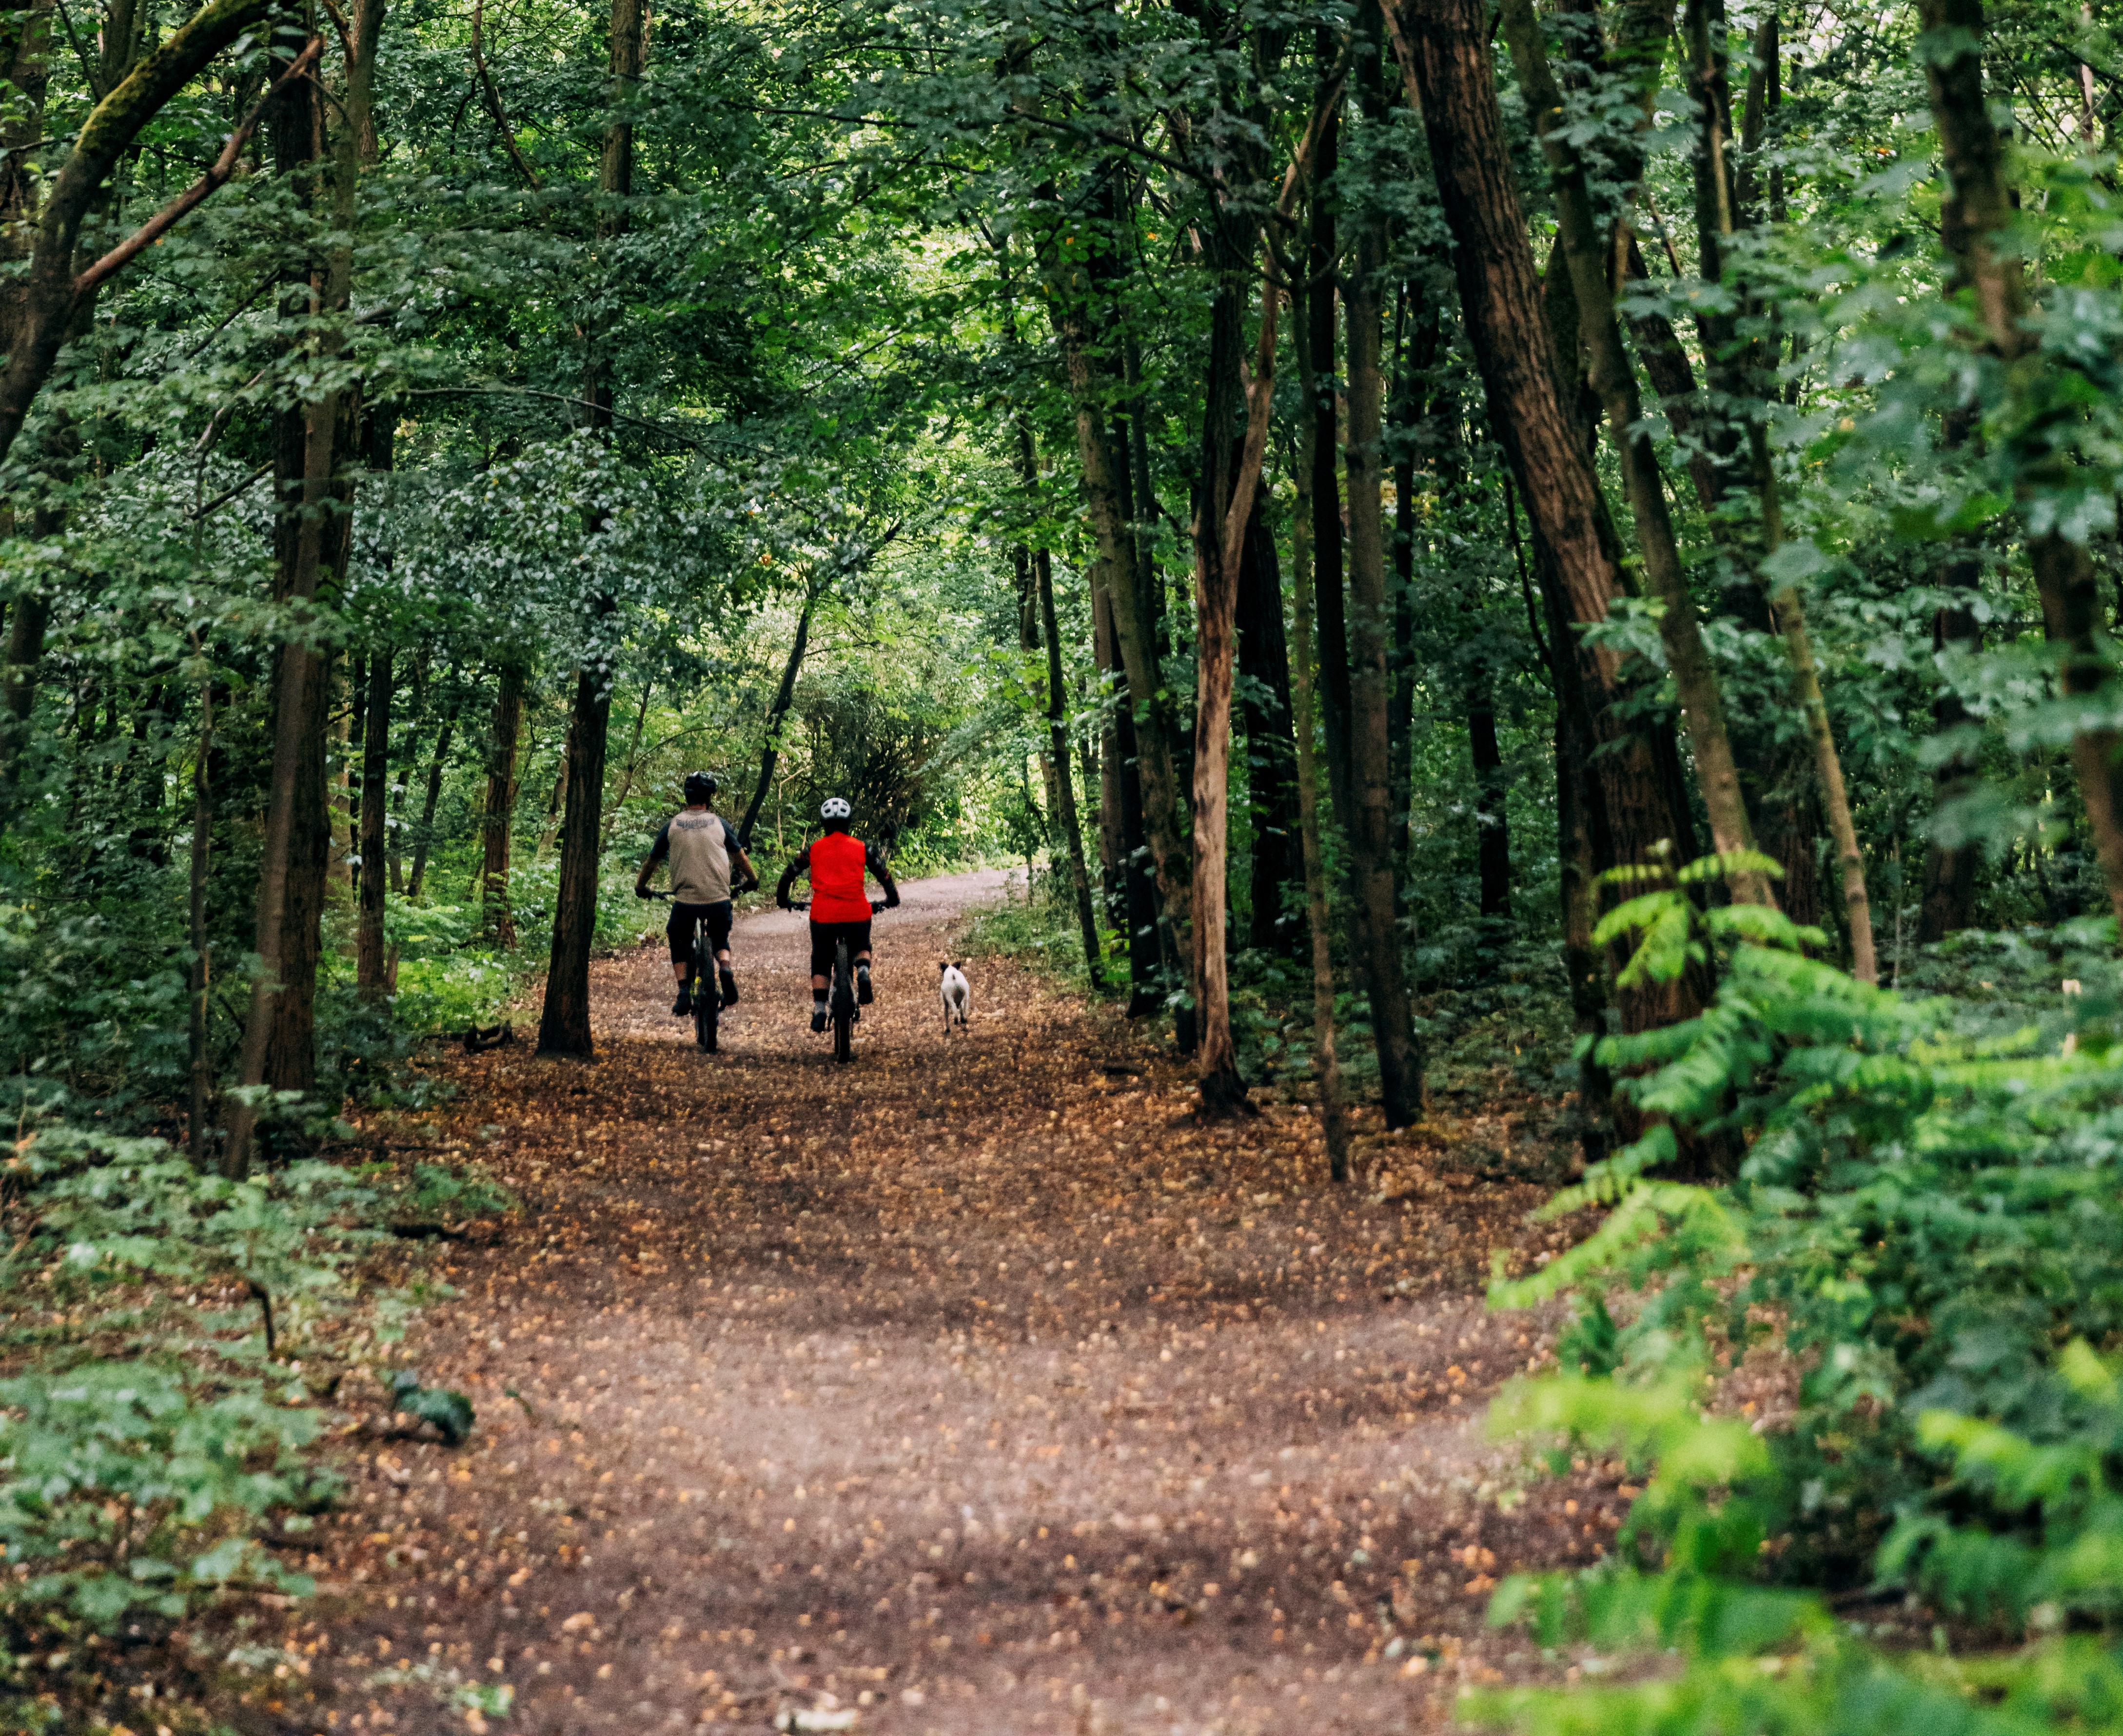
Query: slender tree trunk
[1324, 263]
[289, 863]
[497, 920]
[278, 1050]
[1138, 888]
[201, 1067]
[1216, 611]
[1105, 496]
[424, 840]
[1271, 782]
[553, 801]
[350, 722]
[633, 761]
[1113, 849]
[1326, 1064]
[371, 971]
[1381, 954]
[1492, 789]
[1065, 784]
[785, 696]
[1719, 209]
[1977, 208]
[563, 1028]
[1702, 701]
[1947, 902]
[1828, 764]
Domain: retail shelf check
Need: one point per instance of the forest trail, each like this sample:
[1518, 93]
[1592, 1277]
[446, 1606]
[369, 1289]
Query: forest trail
[969, 1388]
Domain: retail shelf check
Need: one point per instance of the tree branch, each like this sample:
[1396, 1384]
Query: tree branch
[224, 165]
[493, 96]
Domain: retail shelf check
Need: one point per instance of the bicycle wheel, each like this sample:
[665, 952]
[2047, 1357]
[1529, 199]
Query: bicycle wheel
[707, 999]
[844, 1005]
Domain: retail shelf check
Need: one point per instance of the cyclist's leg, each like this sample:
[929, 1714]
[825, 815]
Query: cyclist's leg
[859, 944]
[717, 919]
[679, 931]
[822, 962]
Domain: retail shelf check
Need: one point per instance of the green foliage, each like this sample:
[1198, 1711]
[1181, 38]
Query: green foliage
[170, 1335]
[1924, 1238]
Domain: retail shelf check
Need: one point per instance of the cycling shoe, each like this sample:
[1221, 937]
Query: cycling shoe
[817, 1017]
[683, 1005]
[862, 995]
[729, 990]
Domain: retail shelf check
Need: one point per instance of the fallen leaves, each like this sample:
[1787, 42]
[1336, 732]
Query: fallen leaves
[963, 1380]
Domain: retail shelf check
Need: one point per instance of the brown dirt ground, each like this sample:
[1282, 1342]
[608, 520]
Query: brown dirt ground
[970, 1388]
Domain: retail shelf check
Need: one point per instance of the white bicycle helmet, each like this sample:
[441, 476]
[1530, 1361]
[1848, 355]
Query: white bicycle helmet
[835, 807]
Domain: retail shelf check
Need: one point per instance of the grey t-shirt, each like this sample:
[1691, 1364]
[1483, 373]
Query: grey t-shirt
[701, 847]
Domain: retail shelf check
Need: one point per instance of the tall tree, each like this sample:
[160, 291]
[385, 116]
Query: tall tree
[564, 1025]
[1372, 800]
[1631, 808]
[1976, 219]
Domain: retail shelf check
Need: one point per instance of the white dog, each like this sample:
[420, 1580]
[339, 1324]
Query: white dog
[954, 992]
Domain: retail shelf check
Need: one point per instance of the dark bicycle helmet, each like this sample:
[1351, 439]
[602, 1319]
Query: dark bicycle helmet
[700, 787]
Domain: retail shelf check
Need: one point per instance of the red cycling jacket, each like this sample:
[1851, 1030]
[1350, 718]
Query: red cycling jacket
[837, 863]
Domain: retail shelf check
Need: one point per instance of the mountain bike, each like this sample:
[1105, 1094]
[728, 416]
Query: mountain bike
[700, 983]
[842, 1012]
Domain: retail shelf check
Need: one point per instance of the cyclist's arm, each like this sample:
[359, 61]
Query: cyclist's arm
[737, 854]
[882, 874]
[801, 865]
[657, 852]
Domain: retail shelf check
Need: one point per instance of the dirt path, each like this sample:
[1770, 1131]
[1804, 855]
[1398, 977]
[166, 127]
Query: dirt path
[966, 1388]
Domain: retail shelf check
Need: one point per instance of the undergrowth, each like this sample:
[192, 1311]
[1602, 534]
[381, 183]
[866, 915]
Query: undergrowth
[1926, 1231]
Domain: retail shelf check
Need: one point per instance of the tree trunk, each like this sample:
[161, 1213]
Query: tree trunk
[201, 1067]
[1065, 782]
[291, 869]
[1326, 1062]
[497, 920]
[371, 966]
[424, 839]
[633, 762]
[563, 1028]
[1218, 560]
[1138, 888]
[785, 696]
[1828, 764]
[1370, 822]
[552, 824]
[1977, 207]
[1587, 260]
[1948, 898]
[1271, 788]
[1105, 495]
[1491, 819]
[1112, 849]
[1636, 820]
[1325, 264]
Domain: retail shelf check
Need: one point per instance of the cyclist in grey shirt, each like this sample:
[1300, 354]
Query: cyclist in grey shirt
[707, 862]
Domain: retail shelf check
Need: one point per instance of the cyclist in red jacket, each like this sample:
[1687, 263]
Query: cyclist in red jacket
[840, 909]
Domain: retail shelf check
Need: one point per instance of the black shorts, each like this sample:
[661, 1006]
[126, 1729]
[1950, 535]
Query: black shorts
[825, 936]
[685, 917]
